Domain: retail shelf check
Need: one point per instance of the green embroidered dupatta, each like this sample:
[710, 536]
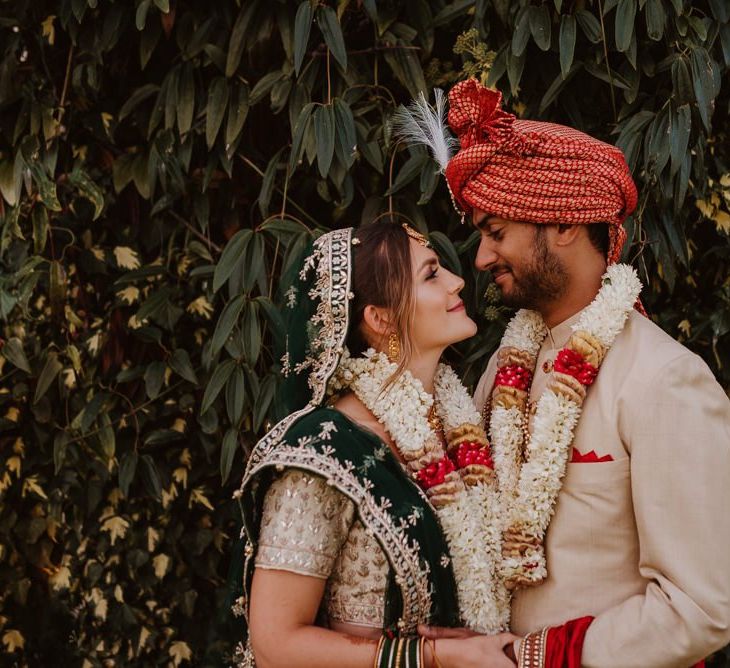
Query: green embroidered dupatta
[321, 440]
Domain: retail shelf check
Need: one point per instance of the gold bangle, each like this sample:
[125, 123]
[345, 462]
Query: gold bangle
[421, 653]
[399, 651]
[378, 650]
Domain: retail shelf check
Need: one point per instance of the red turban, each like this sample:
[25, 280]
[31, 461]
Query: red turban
[534, 172]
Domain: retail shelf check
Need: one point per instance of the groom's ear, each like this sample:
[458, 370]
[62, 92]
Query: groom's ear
[567, 235]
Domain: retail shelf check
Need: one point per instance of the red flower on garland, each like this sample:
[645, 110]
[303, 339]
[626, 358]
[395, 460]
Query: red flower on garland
[574, 364]
[435, 474]
[514, 375]
[470, 452]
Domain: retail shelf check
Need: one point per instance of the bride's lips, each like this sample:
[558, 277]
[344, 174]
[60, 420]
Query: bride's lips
[456, 307]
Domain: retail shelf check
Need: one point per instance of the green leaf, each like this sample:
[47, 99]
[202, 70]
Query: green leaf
[682, 81]
[725, 41]
[106, 436]
[238, 37]
[219, 378]
[215, 109]
[682, 126]
[89, 413]
[232, 253]
[515, 68]
[346, 143]
[139, 96]
[228, 453]
[330, 27]
[264, 399]
[410, 170]
[14, 353]
[237, 112]
[141, 15]
[154, 377]
[186, 99]
[589, 25]
[263, 87]
[567, 43]
[51, 369]
[151, 477]
[447, 252]
[226, 323]
[180, 363]
[324, 129]
[10, 181]
[540, 26]
[127, 469]
[60, 446]
[521, 35]
[235, 396]
[39, 218]
[251, 332]
[625, 16]
[655, 19]
[302, 28]
[163, 6]
[298, 137]
[702, 79]
[267, 183]
[88, 189]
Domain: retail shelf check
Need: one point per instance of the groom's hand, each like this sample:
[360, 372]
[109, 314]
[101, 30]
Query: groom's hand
[498, 649]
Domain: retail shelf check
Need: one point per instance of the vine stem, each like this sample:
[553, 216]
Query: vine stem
[608, 66]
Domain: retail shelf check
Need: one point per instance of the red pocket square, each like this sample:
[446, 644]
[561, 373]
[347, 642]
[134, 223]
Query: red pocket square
[588, 458]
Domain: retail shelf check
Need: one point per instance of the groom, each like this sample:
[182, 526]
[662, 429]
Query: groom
[638, 543]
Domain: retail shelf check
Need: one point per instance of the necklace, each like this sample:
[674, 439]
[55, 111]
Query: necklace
[447, 454]
[530, 467]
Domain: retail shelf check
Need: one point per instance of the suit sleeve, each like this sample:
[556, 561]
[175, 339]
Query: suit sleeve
[676, 427]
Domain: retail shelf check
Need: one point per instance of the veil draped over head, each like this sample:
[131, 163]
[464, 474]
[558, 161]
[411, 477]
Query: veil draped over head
[316, 316]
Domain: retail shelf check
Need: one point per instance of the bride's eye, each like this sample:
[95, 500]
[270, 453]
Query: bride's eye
[432, 274]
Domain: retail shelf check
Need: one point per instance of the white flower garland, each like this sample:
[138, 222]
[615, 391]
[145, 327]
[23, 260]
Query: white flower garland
[529, 492]
[466, 499]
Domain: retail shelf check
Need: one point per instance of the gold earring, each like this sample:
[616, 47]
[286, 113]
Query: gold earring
[393, 347]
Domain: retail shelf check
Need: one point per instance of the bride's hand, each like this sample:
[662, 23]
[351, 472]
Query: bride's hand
[464, 648]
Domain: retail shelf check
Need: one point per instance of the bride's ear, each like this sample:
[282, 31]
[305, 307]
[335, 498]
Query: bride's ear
[377, 322]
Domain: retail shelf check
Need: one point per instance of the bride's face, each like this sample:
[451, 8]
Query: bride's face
[440, 318]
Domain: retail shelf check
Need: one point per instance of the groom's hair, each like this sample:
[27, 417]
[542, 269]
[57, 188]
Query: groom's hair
[381, 276]
[598, 234]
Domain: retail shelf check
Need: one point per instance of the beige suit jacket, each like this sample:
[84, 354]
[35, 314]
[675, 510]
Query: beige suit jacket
[641, 542]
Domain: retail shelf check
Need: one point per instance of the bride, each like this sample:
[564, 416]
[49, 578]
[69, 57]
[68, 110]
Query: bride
[367, 509]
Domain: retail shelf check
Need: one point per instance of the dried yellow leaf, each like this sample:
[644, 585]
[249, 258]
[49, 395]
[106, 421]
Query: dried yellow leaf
[180, 475]
[49, 32]
[185, 458]
[160, 564]
[705, 208]
[30, 484]
[143, 635]
[198, 496]
[12, 414]
[201, 306]
[93, 343]
[685, 327]
[722, 221]
[116, 526]
[13, 465]
[126, 257]
[118, 594]
[13, 639]
[130, 294]
[153, 538]
[61, 578]
[179, 651]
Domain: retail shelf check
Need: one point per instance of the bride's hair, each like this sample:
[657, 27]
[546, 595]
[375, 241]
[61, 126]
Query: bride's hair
[382, 277]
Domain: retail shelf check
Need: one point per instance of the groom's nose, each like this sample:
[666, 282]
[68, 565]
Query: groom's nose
[486, 256]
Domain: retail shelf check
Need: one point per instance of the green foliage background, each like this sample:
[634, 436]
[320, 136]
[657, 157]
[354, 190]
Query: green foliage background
[162, 162]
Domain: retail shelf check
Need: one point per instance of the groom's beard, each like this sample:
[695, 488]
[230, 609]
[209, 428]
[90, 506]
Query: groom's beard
[541, 280]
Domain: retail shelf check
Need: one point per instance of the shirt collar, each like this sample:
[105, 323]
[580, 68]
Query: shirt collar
[558, 336]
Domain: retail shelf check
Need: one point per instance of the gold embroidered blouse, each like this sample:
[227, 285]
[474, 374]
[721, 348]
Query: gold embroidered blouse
[310, 528]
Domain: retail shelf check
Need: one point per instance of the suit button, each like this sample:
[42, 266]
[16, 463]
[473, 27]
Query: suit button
[547, 366]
